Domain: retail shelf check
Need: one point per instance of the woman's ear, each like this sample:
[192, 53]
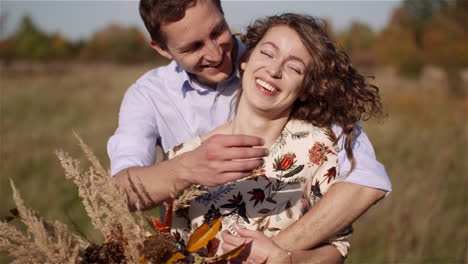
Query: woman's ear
[242, 65]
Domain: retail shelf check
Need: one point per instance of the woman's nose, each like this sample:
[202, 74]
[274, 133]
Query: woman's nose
[274, 69]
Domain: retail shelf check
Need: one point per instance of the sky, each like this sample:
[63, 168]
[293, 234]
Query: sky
[80, 19]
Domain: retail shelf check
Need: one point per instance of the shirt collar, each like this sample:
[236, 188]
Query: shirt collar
[191, 82]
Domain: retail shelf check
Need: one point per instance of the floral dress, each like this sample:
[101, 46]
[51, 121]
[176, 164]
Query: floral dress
[301, 166]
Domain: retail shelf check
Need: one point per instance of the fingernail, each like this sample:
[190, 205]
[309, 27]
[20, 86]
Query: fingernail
[267, 152]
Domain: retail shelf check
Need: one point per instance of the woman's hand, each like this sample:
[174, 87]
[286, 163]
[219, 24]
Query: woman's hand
[258, 247]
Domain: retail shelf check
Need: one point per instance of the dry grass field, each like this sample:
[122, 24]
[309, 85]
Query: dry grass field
[422, 143]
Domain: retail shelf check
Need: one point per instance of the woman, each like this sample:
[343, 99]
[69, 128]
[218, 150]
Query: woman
[295, 87]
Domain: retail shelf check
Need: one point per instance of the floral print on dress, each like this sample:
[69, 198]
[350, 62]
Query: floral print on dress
[300, 167]
[318, 153]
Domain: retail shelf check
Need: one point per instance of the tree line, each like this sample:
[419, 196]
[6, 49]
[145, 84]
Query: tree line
[420, 32]
[114, 43]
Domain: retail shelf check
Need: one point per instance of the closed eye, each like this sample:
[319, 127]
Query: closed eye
[192, 48]
[218, 31]
[266, 54]
[297, 70]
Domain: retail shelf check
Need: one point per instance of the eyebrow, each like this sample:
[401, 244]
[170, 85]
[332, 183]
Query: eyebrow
[189, 46]
[291, 57]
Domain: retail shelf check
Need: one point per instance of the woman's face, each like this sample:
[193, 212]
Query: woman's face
[274, 72]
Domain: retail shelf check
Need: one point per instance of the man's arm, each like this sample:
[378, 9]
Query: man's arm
[326, 254]
[344, 201]
[220, 159]
[261, 249]
[341, 205]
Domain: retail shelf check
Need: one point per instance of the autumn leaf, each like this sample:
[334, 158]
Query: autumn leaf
[203, 235]
[158, 225]
[168, 215]
[177, 256]
[232, 254]
[213, 246]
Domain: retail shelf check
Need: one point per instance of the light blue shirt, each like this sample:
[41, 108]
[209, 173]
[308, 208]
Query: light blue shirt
[168, 106]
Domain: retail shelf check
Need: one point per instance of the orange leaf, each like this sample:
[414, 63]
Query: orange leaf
[203, 235]
[159, 226]
[233, 253]
[168, 215]
[177, 256]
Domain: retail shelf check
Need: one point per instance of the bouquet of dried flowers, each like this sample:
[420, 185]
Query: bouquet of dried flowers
[130, 237]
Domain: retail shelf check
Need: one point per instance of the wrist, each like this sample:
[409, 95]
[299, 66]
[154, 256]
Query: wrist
[180, 177]
[282, 256]
[280, 241]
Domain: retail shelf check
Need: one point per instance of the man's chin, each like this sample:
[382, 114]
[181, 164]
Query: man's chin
[213, 76]
[212, 80]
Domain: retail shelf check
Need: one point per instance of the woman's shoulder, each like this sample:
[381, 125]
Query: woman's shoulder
[302, 129]
[184, 147]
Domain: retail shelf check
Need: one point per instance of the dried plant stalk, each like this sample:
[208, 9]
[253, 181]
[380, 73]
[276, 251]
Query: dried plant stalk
[91, 157]
[188, 195]
[105, 204]
[19, 246]
[46, 242]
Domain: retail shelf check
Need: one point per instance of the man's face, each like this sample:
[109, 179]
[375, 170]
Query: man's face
[201, 43]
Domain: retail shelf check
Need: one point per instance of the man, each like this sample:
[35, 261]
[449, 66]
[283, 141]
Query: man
[194, 94]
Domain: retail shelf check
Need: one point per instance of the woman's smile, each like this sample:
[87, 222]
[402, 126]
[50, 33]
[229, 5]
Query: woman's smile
[267, 88]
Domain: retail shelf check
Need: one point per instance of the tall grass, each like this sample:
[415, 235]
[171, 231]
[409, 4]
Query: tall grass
[423, 144]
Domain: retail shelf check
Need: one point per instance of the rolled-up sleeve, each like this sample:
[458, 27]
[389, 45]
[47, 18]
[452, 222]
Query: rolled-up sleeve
[367, 171]
[133, 143]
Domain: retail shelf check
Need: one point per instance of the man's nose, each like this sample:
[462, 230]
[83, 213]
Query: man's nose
[213, 52]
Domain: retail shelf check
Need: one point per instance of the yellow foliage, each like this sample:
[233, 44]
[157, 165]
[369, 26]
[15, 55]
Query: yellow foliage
[203, 235]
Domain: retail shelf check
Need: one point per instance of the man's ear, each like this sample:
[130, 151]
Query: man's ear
[163, 51]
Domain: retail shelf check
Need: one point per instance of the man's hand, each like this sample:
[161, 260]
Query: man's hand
[222, 159]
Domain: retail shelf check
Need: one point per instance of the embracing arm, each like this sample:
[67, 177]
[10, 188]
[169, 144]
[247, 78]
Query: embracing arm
[258, 248]
[338, 208]
[344, 201]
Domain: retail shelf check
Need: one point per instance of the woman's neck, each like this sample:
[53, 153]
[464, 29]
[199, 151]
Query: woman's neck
[253, 123]
[250, 122]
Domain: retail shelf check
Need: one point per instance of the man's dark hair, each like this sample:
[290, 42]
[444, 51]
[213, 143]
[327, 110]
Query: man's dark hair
[158, 12]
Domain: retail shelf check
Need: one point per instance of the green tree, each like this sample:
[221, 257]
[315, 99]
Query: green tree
[397, 46]
[118, 44]
[32, 44]
[420, 13]
[358, 41]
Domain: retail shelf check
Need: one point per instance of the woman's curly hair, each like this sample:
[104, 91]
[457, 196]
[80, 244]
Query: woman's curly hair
[333, 92]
